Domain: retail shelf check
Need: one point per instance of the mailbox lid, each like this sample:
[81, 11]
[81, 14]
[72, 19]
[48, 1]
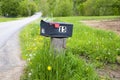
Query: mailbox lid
[56, 29]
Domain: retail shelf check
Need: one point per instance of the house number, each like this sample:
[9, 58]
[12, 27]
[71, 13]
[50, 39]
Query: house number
[62, 29]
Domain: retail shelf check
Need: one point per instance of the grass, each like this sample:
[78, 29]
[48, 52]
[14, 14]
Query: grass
[93, 43]
[46, 66]
[85, 50]
[3, 19]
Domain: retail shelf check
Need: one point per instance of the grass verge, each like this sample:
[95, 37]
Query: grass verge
[3, 19]
[92, 44]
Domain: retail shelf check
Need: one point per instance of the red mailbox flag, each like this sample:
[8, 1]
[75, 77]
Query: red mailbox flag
[56, 25]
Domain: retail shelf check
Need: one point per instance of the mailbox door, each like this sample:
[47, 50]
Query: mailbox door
[56, 29]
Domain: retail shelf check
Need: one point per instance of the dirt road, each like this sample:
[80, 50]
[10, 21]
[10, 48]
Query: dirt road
[11, 65]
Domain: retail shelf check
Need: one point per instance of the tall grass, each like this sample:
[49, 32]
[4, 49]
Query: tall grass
[46, 66]
[88, 43]
[31, 41]
[94, 44]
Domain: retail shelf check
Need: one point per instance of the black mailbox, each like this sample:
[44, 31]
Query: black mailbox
[56, 29]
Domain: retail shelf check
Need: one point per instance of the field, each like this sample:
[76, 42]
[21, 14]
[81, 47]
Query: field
[113, 25]
[3, 19]
[89, 52]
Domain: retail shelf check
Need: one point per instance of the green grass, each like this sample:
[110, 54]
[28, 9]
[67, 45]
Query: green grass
[79, 18]
[92, 43]
[63, 67]
[85, 50]
[3, 19]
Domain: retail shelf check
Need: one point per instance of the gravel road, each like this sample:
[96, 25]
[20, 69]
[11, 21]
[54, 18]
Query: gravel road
[11, 65]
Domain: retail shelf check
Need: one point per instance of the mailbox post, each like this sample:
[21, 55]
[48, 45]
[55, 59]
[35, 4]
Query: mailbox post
[58, 32]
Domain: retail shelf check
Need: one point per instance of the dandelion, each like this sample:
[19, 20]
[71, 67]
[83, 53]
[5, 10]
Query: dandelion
[29, 74]
[30, 55]
[49, 68]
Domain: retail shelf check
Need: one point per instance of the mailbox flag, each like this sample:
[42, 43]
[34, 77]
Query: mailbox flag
[57, 25]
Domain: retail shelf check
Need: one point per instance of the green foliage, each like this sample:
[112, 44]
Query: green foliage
[100, 7]
[44, 7]
[80, 7]
[88, 43]
[60, 7]
[62, 67]
[13, 8]
[44, 65]
[27, 8]
[8, 9]
[63, 8]
[56, 7]
[116, 7]
[30, 40]
[0, 8]
[91, 43]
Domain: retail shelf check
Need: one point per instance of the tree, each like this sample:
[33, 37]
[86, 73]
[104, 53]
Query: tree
[116, 6]
[78, 6]
[52, 4]
[10, 8]
[44, 7]
[63, 8]
[27, 8]
[100, 7]
[0, 8]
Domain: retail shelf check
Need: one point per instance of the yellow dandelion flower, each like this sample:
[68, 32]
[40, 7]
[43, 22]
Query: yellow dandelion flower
[49, 68]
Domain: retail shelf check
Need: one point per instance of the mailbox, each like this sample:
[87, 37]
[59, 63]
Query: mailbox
[56, 29]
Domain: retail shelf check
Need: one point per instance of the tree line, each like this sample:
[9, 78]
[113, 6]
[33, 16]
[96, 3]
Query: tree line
[13, 8]
[60, 7]
[80, 7]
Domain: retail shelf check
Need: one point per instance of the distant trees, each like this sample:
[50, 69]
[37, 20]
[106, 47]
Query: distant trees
[9, 8]
[60, 7]
[100, 7]
[13, 8]
[27, 8]
[63, 8]
[0, 8]
[80, 7]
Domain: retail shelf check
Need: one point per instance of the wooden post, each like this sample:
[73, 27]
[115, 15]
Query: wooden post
[58, 44]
